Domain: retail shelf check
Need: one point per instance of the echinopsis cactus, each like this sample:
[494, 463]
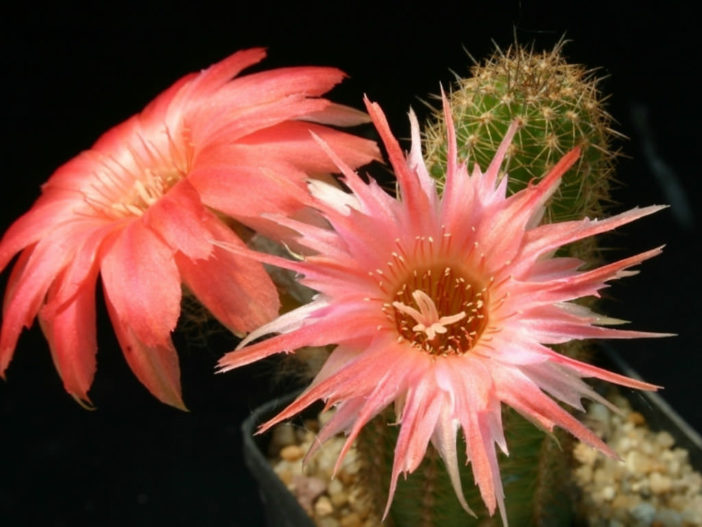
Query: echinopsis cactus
[440, 302]
[558, 107]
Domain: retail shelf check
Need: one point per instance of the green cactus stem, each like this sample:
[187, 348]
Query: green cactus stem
[559, 107]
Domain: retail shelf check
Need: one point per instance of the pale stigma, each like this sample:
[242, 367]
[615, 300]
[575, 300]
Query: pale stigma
[427, 318]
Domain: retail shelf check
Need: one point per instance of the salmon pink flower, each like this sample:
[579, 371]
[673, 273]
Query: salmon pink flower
[141, 208]
[444, 306]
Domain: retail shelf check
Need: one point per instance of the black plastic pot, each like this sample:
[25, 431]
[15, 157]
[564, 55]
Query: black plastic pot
[282, 509]
[280, 506]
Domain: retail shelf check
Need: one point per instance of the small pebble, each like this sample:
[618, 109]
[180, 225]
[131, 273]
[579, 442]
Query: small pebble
[585, 454]
[583, 474]
[346, 477]
[636, 418]
[292, 453]
[327, 521]
[323, 506]
[692, 513]
[668, 518]
[335, 487]
[644, 512]
[351, 520]
[307, 489]
[602, 476]
[339, 499]
[608, 492]
[363, 508]
[283, 471]
[659, 483]
[665, 439]
[283, 435]
[637, 463]
[599, 412]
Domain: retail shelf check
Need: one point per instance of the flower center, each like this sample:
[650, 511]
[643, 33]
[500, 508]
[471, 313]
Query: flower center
[132, 180]
[440, 311]
[145, 191]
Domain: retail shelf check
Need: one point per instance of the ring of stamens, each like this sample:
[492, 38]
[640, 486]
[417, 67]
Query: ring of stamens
[124, 189]
[439, 310]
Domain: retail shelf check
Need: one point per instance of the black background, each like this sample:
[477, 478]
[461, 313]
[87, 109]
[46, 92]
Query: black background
[70, 72]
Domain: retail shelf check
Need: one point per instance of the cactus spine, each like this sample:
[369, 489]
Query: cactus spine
[559, 107]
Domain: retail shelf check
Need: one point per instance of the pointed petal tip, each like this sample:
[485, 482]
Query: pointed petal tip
[235, 359]
[387, 509]
[224, 364]
[263, 428]
[170, 397]
[658, 207]
[260, 430]
[83, 400]
[663, 335]
[177, 403]
[650, 335]
[609, 452]
[6, 353]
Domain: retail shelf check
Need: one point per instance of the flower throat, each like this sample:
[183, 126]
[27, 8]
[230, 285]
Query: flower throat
[130, 187]
[440, 311]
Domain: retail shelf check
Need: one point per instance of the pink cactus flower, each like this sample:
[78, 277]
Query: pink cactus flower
[142, 207]
[444, 305]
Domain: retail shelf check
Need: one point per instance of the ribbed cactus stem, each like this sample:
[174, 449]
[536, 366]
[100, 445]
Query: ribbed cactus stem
[558, 106]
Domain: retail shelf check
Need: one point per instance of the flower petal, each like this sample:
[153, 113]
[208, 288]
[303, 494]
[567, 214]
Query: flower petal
[339, 115]
[285, 189]
[419, 419]
[155, 365]
[235, 289]
[178, 218]
[292, 141]
[214, 126]
[419, 202]
[32, 278]
[30, 228]
[278, 84]
[444, 440]
[546, 238]
[313, 333]
[70, 330]
[142, 283]
[142, 292]
[68, 318]
[516, 390]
